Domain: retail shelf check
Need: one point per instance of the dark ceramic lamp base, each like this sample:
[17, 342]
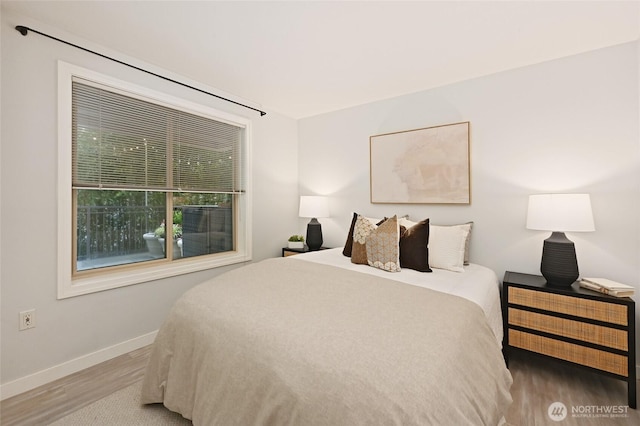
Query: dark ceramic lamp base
[559, 263]
[314, 234]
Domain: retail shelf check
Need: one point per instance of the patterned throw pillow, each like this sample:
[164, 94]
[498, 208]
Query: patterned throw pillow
[348, 245]
[363, 227]
[382, 247]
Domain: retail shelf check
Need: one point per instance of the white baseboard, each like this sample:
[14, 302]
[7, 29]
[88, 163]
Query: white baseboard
[48, 375]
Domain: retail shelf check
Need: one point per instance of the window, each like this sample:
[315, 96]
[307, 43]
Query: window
[155, 186]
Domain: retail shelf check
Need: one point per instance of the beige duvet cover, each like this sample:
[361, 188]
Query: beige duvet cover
[289, 342]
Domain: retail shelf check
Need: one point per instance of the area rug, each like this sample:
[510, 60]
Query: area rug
[123, 408]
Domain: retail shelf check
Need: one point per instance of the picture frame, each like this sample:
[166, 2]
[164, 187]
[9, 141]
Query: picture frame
[430, 165]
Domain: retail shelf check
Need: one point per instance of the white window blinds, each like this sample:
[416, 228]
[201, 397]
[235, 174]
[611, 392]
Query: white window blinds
[125, 142]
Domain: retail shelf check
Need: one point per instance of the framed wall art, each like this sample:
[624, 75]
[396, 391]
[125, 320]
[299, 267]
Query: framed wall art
[422, 166]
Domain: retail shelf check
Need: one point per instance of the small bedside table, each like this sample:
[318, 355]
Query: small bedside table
[571, 324]
[286, 251]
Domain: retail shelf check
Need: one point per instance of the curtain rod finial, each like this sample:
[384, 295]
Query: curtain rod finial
[23, 30]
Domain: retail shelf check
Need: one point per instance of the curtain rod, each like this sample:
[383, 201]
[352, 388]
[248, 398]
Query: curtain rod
[24, 31]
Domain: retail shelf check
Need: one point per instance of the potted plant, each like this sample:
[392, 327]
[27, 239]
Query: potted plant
[153, 245]
[296, 241]
[160, 233]
[177, 232]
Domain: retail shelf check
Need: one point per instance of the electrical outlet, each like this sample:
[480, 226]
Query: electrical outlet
[27, 319]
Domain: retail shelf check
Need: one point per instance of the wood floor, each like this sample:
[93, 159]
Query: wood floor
[57, 399]
[587, 396]
[536, 385]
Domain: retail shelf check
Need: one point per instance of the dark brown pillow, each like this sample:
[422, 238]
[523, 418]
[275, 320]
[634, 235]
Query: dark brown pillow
[349, 244]
[414, 250]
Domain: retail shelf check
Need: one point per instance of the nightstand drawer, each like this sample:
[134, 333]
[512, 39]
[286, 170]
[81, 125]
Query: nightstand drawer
[584, 308]
[601, 360]
[592, 333]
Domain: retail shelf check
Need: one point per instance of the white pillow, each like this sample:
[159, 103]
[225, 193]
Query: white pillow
[447, 246]
[467, 226]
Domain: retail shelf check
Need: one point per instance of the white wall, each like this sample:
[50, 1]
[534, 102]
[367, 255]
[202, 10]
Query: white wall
[79, 326]
[566, 125]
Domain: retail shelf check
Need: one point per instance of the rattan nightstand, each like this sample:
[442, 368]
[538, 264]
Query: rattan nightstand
[571, 324]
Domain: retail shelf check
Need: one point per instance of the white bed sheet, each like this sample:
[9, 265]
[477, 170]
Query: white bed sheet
[477, 283]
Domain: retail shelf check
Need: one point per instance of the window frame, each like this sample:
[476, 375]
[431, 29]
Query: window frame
[70, 284]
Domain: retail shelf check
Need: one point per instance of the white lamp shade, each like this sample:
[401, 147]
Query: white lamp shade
[313, 206]
[560, 213]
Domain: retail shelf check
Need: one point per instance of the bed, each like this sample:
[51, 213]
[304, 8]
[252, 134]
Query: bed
[315, 339]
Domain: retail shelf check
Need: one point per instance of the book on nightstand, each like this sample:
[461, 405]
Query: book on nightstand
[607, 286]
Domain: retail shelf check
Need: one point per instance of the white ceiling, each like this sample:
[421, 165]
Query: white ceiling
[306, 58]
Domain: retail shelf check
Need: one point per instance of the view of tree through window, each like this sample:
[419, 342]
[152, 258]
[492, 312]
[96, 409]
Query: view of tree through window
[133, 162]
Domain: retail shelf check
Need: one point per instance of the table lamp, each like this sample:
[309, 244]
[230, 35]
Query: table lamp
[314, 207]
[560, 213]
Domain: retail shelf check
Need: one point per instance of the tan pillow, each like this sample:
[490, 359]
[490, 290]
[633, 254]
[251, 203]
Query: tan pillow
[383, 251]
[404, 221]
[361, 230]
